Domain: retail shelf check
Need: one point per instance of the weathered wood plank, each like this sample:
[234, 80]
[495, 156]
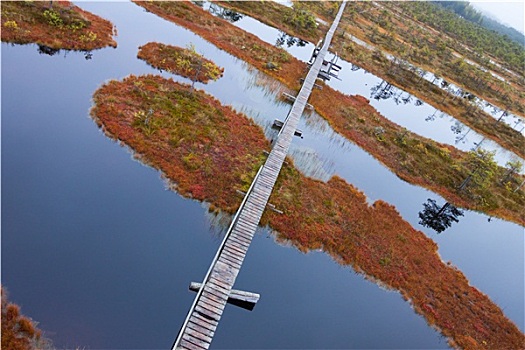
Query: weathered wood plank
[201, 343]
[208, 313]
[198, 328]
[203, 322]
[199, 335]
[184, 344]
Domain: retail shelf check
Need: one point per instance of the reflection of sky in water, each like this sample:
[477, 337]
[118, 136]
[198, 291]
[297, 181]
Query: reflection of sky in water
[453, 89]
[420, 119]
[74, 205]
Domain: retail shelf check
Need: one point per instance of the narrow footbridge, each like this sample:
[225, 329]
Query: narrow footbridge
[216, 290]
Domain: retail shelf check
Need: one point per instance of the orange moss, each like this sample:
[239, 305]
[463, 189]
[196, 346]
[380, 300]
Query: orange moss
[191, 137]
[18, 331]
[333, 216]
[413, 158]
[60, 26]
[185, 62]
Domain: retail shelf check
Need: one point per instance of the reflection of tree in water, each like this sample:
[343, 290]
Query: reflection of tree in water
[289, 40]
[385, 91]
[436, 218]
[433, 116]
[483, 170]
[46, 50]
[382, 91]
[458, 129]
[227, 14]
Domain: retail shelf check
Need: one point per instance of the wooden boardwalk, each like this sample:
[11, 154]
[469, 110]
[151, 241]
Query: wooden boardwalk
[204, 315]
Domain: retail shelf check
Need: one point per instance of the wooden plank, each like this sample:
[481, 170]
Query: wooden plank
[244, 236]
[199, 335]
[237, 242]
[197, 327]
[209, 303]
[211, 283]
[228, 260]
[231, 257]
[203, 322]
[220, 283]
[184, 344]
[246, 226]
[208, 313]
[196, 341]
[213, 289]
[234, 250]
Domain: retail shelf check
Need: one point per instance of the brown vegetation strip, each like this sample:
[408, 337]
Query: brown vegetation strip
[440, 168]
[177, 60]
[56, 24]
[210, 163]
[406, 79]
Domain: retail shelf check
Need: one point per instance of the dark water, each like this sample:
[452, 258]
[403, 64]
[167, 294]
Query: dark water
[100, 253]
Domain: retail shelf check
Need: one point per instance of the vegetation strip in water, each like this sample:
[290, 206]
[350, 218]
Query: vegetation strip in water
[54, 24]
[379, 65]
[438, 40]
[440, 168]
[210, 151]
[182, 61]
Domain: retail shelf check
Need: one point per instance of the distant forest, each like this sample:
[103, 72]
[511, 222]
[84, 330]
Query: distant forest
[465, 10]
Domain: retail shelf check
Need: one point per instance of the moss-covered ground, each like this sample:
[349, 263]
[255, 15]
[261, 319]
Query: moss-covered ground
[185, 62]
[54, 24]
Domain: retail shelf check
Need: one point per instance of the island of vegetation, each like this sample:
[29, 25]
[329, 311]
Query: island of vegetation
[18, 331]
[185, 62]
[469, 180]
[360, 20]
[209, 151]
[54, 25]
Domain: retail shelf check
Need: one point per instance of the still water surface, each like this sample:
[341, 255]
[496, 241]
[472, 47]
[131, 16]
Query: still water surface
[97, 250]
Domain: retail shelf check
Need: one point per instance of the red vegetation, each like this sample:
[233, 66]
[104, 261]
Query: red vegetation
[185, 62]
[18, 331]
[440, 168]
[209, 151]
[61, 25]
[191, 137]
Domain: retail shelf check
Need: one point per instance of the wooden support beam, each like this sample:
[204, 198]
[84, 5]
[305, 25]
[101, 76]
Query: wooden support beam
[240, 298]
[277, 124]
[292, 98]
[320, 87]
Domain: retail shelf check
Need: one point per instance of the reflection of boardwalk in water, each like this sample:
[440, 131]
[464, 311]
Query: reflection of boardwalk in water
[204, 315]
